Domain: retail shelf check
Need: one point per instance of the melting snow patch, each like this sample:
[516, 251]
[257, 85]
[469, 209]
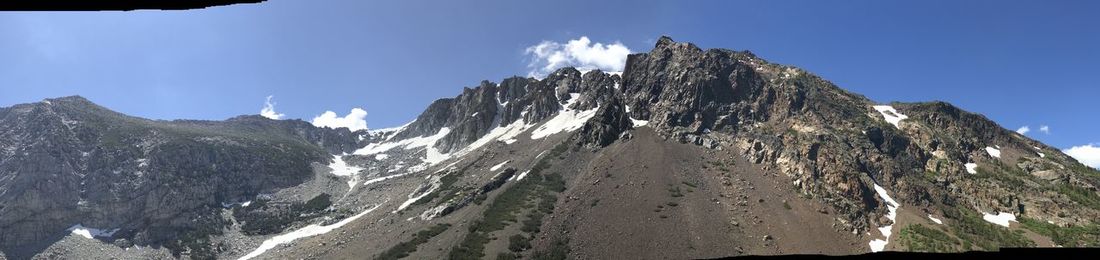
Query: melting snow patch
[368, 182]
[497, 167]
[341, 168]
[993, 151]
[381, 156]
[1000, 219]
[407, 203]
[934, 219]
[308, 231]
[521, 175]
[638, 123]
[230, 205]
[419, 141]
[79, 229]
[1041, 155]
[891, 115]
[567, 120]
[972, 168]
[892, 206]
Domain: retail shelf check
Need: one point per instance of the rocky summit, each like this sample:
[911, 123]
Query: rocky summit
[687, 153]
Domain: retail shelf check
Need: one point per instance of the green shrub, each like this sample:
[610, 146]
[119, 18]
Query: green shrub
[918, 238]
[403, 249]
[518, 243]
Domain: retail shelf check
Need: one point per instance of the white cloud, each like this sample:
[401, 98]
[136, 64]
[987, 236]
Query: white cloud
[353, 121]
[1044, 129]
[1023, 130]
[1087, 154]
[580, 53]
[269, 110]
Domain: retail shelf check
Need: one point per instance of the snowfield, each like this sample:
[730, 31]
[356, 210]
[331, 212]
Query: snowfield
[415, 142]
[567, 120]
[878, 245]
[341, 168]
[891, 115]
[307, 231]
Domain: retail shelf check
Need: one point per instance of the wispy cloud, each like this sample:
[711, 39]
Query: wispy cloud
[1044, 129]
[1023, 130]
[1088, 154]
[580, 53]
[269, 109]
[355, 120]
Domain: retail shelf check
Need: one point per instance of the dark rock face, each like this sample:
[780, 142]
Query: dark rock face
[830, 142]
[67, 161]
[475, 112]
[607, 125]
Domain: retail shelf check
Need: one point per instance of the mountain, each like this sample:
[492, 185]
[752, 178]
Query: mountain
[688, 153]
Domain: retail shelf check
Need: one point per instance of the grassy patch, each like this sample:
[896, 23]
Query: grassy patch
[1083, 196]
[1070, 236]
[918, 238]
[403, 249]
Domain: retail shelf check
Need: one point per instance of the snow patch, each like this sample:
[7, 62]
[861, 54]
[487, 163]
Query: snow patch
[341, 168]
[371, 181]
[415, 142]
[497, 167]
[639, 123]
[567, 120]
[972, 168]
[521, 175]
[1001, 218]
[412, 199]
[381, 156]
[993, 151]
[878, 245]
[230, 204]
[1041, 155]
[87, 232]
[308, 231]
[934, 219]
[891, 115]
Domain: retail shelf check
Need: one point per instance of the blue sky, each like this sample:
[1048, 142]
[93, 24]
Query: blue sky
[1018, 62]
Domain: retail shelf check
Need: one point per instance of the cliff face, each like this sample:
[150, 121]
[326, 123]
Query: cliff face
[67, 161]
